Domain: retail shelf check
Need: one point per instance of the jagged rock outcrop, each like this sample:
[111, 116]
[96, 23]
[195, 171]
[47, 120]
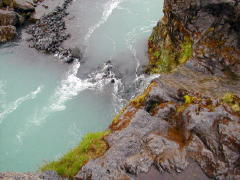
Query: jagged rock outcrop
[179, 126]
[13, 13]
[204, 33]
[8, 18]
[7, 33]
[19, 5]
[190, 113]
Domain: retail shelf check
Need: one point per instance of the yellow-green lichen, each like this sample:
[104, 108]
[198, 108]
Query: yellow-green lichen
[232, 100]
[189, 99]
[167, 57]
[186, 51]
[92, 146]
[116, 118]
[139, 100]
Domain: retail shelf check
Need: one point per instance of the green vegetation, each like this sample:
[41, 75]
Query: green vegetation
[189, 99]
[116, 118]
[186, 51]
[228, 98]
[92, 146]
[167, 58]
[139, 100]
[166, 53]
[232, 100]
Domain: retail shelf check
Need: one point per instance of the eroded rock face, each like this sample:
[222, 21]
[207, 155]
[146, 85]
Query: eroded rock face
[8, 18]
[170, 134]
[7, 33]
[20, 5]
[12, 14]
[183, 115]
[203, 33]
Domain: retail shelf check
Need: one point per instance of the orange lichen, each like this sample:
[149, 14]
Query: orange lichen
[177, 135]
[123, 120]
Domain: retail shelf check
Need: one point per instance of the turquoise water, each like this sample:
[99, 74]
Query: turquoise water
[47, 106]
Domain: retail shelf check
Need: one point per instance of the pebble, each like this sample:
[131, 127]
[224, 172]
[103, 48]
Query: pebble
[49, 32]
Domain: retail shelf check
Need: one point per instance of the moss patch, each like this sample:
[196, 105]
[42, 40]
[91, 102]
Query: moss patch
[140, 100]
[166, 51]
[92, 146]
[232, 100]
[186, 51]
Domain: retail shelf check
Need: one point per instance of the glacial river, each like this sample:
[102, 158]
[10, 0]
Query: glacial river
[47, 106]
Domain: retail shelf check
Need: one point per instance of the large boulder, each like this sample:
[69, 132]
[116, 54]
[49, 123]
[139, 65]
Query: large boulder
[20, 5]
[7, 33]
[8, 18]
[23, 5]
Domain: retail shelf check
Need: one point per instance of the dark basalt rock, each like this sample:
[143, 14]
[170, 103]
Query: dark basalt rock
[48, 33]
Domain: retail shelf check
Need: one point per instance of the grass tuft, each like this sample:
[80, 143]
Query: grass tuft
[92, 146]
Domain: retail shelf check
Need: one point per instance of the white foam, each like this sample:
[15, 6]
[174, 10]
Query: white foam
[107, 11]
[14, 105]
[68, 88]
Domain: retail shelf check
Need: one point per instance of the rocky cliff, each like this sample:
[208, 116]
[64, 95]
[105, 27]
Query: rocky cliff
[206, 32]
[192, 112]
[186, 124]
[13, 13]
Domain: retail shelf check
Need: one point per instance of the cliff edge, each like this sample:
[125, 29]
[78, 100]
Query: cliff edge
[191, 114]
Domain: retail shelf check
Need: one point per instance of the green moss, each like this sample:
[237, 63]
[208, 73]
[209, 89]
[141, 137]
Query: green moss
[186, 51]
[116, 118]
[92, 146]
[228, 98]
[232, 100]
[166, 56]
[139, 100]
[157, 54]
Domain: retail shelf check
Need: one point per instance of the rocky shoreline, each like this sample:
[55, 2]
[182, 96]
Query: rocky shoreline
[13, 14]
[47, 32]
[189, 117]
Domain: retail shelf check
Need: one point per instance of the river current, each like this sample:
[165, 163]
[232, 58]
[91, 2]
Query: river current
[47, 106]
